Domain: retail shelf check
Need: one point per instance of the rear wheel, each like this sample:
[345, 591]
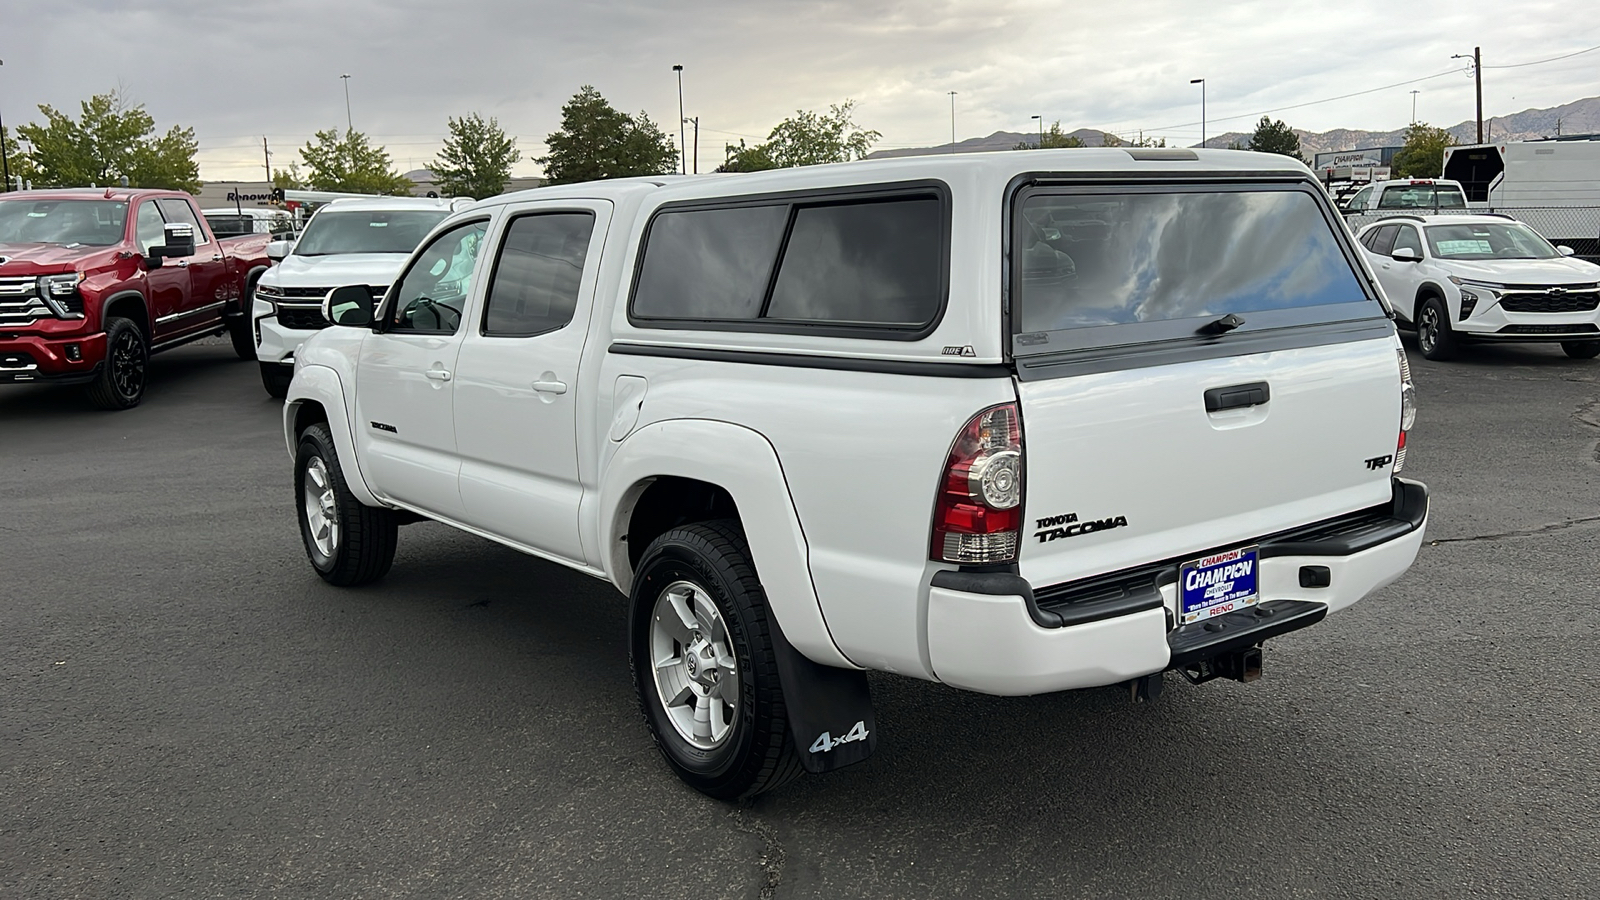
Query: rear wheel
[242, 335]
[1581, 349]
[348, 543]
[120, 384]
[704, 664]
[1434, 334]
[275, 378]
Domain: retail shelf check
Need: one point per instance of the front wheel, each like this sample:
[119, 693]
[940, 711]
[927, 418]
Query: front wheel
[704, 664]
[121, 380]
[275, 378]
[348, 543]
[1434, 334]
[1581, 349]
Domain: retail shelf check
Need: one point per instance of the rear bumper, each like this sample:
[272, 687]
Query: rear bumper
[33, 359]
[990, 633]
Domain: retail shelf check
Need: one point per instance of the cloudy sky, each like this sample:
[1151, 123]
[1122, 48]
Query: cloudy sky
[238, 71]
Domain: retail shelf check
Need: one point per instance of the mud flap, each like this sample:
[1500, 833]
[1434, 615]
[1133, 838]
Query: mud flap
[830, 709]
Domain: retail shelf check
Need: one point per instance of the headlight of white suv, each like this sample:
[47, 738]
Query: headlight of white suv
[1474, 292]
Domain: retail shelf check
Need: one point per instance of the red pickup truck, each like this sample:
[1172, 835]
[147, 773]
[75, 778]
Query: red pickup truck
[92, 281]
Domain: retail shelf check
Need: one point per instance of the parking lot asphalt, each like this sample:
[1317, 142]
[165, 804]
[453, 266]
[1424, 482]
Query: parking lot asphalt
[187, 710]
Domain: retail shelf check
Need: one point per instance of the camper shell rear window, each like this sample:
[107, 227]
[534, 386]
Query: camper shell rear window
[1096, 266]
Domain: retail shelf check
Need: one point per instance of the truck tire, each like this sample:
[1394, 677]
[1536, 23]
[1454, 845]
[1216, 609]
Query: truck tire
[240, 332]
[1434, 335]
[121, 380]
[275, 378]
[1581, 349]
[347, 542]
[704, 665]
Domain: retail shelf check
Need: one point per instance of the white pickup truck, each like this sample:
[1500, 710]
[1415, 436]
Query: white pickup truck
[1014, 422]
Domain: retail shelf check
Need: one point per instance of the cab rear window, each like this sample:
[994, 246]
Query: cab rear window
[1087, 259]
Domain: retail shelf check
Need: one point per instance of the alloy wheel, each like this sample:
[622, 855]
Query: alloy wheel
[127, 365]
[1428, 329]
[321, 506]
[695, 670]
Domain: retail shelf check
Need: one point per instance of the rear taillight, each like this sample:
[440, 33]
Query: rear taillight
[1408, 409]
[978, 517]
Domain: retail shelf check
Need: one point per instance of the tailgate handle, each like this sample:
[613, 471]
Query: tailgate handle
[1253, 394]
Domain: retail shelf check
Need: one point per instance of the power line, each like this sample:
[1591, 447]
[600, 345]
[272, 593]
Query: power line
[1375, 90]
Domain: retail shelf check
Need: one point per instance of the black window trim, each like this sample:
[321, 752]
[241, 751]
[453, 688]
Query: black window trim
[380, 323]
[494, 269]
[794, 200]
[1134, 339]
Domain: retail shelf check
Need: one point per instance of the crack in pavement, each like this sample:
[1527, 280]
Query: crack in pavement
[1525, 532]
[772, 854]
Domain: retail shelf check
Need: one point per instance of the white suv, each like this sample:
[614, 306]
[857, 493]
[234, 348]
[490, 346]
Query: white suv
[347, 241]
[1014, 422]
[1484, 278]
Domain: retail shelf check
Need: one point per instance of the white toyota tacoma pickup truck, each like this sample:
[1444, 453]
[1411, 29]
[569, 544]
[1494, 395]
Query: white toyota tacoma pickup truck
[1014, 422]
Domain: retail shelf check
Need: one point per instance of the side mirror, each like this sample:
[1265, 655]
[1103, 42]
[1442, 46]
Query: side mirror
[180, 240]
[1564, 250]
[1406, 254]
[350, 304]
[279, 249]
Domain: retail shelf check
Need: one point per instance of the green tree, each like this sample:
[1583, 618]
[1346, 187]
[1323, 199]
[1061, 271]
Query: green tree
[476, 158]
[350, 164]
[1422, 156]
[806, 139]
[1275, 137]
[288, 179]
[109, 141]
[1052, 139]
[1152, 141]
[597, 141]
[17, 161]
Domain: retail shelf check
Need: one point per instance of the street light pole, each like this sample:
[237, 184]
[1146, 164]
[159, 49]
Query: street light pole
[1202, 83]
[952, 121]
[683, 159]
[5, 160]
[347, 126]
[1414, 106]
[1041, 131]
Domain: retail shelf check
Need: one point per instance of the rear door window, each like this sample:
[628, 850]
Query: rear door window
[1094, 267]
[1383, 241]
[871, 266]
[534, 289]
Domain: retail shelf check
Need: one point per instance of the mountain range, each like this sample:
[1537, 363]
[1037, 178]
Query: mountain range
[1578, 117]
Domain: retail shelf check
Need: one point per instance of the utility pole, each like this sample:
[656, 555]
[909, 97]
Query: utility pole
[1202, 83]
[1477, 76]
[683, 161]
[1414, 106]
[348, 127]
[952, 121]
[266, 156]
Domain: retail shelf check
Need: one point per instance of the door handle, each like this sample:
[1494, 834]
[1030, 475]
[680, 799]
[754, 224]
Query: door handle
[438, 374]
[550, 387]
[216, 257]
[1253, 394]
[183, 264]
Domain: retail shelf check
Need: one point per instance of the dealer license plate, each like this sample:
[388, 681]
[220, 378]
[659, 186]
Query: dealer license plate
[1217, 584]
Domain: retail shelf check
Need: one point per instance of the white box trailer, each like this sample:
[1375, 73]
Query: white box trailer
[1553, 185]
